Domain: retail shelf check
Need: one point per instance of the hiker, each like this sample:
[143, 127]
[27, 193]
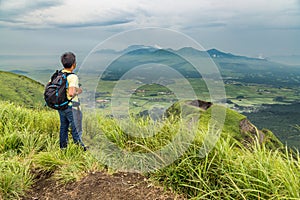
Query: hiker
[72, 116]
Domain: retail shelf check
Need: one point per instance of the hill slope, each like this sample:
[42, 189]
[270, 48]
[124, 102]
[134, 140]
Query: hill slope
[236, 125]
[20, 90]
[30, 154]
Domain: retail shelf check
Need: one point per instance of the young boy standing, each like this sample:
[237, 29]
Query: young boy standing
[72, 116]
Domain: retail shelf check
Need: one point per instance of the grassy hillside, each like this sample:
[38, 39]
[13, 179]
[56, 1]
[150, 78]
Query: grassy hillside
[232, 124]
[29, 149]
[20, 90]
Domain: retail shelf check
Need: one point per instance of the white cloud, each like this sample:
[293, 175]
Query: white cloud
[168, 13]
[244, 26]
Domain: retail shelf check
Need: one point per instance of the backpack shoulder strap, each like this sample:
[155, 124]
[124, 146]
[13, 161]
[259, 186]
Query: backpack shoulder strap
[69, 73]
[66, 73]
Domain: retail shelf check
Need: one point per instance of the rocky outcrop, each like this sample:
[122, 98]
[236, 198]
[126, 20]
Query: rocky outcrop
[200, 104]
[186, 107]
[250, 133]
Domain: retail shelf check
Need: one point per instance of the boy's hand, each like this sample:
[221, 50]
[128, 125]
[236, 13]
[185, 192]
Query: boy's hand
[78, 90]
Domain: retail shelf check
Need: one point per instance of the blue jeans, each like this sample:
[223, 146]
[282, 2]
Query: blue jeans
[73, 118]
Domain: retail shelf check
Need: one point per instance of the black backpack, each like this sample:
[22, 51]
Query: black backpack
[55, 93]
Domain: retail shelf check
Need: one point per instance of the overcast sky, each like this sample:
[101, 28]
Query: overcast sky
[245, 27]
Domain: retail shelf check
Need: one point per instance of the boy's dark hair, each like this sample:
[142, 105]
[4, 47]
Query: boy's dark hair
[68, 59]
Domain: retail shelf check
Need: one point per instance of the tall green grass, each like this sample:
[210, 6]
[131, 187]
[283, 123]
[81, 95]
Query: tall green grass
[232, 171]
[15, 177]
[29, 148]
[67, 165]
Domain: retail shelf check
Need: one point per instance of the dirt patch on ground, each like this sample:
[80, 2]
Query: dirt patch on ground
[101, 185]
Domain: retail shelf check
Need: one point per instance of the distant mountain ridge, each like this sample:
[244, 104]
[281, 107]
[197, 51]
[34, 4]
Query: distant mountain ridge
[239, 68]
[214, 53]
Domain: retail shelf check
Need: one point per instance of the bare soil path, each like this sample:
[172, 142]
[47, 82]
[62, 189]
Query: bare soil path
[101, 185]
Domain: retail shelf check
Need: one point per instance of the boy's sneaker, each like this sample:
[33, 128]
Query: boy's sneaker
[85, 148]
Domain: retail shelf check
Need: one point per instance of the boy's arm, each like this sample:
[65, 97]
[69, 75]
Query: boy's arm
[73, 91]
[74, 87]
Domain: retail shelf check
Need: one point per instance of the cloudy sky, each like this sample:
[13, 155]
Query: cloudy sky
[245, 27]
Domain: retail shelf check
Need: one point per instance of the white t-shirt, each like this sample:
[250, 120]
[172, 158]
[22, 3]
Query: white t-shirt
[73, 81]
